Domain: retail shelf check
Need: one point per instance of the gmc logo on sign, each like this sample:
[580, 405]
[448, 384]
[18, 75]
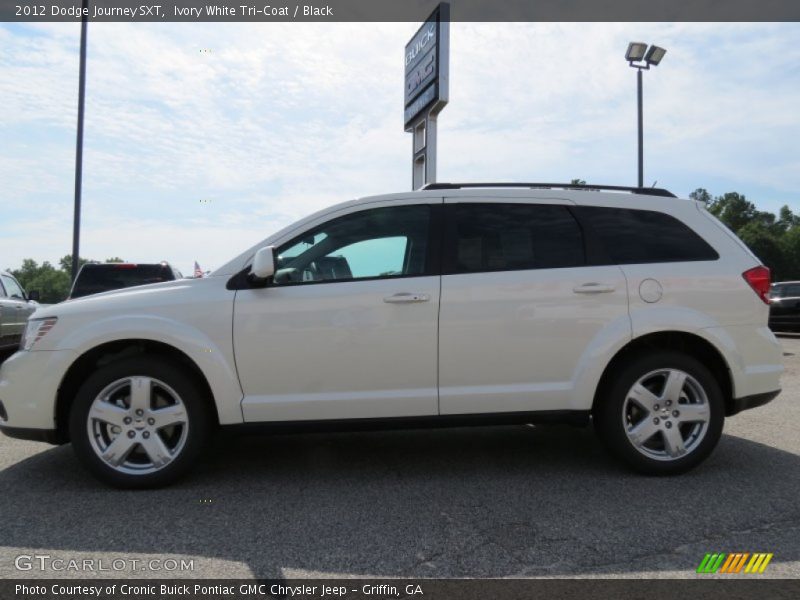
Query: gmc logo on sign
[421, 75]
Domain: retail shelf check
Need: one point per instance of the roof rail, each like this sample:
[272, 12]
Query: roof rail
[565, 186]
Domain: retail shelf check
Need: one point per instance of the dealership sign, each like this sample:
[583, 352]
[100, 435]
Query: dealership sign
[426, 67]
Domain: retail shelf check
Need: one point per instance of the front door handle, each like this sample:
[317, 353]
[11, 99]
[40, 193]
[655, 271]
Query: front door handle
[406, 298]
[593, 288]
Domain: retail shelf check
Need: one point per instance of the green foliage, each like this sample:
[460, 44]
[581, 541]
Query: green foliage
[51, 283]
[775, 239]
[66, 263]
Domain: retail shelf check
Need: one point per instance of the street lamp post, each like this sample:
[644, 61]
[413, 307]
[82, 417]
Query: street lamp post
[641, 58]
[76, 219]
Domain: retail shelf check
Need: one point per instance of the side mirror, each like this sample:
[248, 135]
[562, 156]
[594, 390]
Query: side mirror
[263, 263]
[33, 295]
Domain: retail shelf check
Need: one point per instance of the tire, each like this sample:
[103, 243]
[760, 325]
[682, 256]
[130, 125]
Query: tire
[642, 424]
[139, 440]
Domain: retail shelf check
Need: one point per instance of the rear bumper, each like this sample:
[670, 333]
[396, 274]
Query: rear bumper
[748, 402]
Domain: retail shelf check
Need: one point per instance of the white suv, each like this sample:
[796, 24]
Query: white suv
[457, 304]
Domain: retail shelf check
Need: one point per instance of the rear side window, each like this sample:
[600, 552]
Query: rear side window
[509, 237]
[786, 291]
[93, 279]
[632, 236]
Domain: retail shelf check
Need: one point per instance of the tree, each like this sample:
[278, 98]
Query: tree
[787, 219]
[790, 245]
[66, 263]
[701, 195]
[766, 246]
[51, 283]
[733, 209]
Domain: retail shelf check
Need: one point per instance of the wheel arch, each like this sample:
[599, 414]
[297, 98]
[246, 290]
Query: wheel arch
[109, 352]
[679, 341]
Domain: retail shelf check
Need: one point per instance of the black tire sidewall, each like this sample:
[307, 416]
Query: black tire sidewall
[174, 375]
[608, 414]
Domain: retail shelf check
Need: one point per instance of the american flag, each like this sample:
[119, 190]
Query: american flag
[198, 272]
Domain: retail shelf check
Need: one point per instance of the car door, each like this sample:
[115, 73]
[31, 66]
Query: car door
[16, 309]
[521, 306]
[5, 307]
[346, 328]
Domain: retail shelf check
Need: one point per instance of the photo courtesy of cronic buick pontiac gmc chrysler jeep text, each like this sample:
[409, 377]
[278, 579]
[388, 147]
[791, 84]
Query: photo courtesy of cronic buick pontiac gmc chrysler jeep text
[457, 304]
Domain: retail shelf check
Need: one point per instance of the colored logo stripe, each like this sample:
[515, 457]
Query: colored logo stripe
[711, 562]
[734, 563]
[720, 562]
[758, 563]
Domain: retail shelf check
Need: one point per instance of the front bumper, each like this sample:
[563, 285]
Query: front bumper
[29, 383]
[49, 436]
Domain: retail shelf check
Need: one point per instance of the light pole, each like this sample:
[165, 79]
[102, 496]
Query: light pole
[76, 219]
[641, 58]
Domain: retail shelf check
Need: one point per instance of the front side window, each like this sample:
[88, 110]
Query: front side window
[375, 243]
[509, 237]
[12, 287]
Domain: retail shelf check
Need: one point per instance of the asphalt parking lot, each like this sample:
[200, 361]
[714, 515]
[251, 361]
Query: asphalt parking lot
[501, 502]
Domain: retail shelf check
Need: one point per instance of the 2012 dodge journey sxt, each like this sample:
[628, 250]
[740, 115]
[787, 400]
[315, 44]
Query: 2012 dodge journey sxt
[629, 309]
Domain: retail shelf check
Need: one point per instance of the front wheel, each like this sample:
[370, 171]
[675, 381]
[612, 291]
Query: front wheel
[662, 414]
[139, 422]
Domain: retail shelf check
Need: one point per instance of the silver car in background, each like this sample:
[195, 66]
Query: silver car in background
[15, 308]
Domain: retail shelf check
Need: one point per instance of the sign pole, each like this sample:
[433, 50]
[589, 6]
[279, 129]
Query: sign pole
[427, 57]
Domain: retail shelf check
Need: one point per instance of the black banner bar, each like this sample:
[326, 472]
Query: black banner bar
[33, 11]
[702, 588]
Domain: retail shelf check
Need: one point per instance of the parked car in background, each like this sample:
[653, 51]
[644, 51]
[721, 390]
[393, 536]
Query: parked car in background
[784, 306]
[94, 278]
[15, 308]
[464, 304]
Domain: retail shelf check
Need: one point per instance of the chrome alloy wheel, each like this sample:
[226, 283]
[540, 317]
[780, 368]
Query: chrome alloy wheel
[137, 425]
[666, 414]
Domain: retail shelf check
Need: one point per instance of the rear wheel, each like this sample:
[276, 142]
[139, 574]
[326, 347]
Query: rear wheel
[139, 422]
[663, 413]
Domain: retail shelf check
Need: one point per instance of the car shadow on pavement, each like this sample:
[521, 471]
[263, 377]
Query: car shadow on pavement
[495, 501]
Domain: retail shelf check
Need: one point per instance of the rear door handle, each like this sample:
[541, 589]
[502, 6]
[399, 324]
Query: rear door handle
[406, 298]
[593, 288]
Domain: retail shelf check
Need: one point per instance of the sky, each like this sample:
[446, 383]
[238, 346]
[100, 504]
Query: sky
[201, 139]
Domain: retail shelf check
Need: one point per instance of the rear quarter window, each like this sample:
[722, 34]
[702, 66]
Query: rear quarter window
[631, 236]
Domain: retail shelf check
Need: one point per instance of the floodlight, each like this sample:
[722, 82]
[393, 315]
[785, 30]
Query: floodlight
[636, 51]
[654, 55]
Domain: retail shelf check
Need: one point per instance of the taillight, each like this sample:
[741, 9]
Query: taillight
[759, 279]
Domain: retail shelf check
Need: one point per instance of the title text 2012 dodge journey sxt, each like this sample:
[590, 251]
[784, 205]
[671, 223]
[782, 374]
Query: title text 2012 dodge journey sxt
[638, 312]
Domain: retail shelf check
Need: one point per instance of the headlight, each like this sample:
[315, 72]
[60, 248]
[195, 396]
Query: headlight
[36, 330]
